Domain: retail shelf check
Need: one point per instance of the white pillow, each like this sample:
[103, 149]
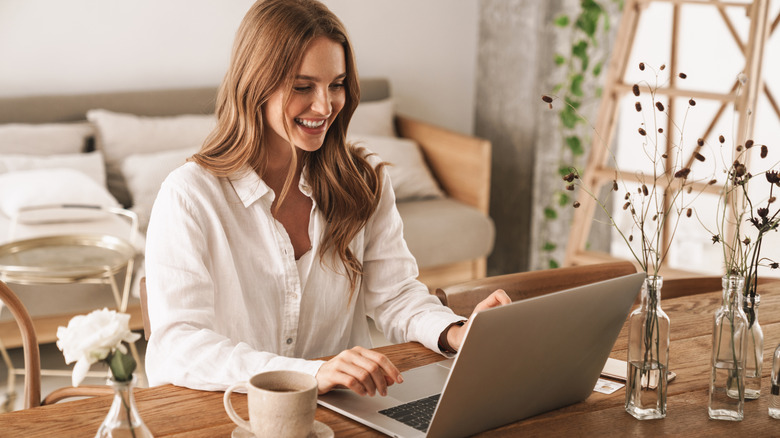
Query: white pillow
[44, 139]
[121, 135]
[374, 118]
[42, 187]
[91, 164]
[409, 174]
[144, 173]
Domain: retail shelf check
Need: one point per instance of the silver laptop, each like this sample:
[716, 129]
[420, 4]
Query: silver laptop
[516, 361]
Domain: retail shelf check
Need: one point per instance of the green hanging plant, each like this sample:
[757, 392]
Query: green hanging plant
[582, 66]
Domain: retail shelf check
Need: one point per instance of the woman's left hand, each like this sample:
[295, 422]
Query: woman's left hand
[456, 334]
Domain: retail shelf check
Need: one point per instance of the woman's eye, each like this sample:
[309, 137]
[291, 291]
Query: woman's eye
[337, 86]
[302, 89]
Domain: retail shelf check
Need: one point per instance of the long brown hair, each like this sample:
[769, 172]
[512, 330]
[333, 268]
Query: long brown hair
[267, 54]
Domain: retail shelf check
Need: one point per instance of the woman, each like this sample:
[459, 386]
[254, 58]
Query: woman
[273, 243]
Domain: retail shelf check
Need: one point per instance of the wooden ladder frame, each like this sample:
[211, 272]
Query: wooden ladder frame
[599, 172]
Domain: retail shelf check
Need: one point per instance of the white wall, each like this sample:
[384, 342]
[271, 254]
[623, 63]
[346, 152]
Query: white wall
[427, 49]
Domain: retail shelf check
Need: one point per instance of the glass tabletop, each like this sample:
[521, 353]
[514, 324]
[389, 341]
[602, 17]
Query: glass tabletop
[64, 257]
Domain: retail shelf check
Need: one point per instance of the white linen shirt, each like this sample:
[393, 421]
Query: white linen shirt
[227, 299]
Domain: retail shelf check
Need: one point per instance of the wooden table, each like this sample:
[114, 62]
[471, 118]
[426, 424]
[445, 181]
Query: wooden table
[178, 412]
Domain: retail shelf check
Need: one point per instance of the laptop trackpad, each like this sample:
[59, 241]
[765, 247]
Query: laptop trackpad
[421, 382]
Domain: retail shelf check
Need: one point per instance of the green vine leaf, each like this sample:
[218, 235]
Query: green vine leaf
[563, 199]
[562, 21]
[553, 264]
[588, 20]
[559, 59]
[569, 118]
[549, 246]
[575, 145]
[580, 50]
[576, 85]
[597, 69]
[550, 213]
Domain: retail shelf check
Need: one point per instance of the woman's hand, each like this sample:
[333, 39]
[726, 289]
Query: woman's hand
[359, 369]
[456, 334]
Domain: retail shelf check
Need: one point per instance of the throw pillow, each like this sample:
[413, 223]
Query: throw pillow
[120, 135]
[410, 176]
[145, 173]
[374, 118]
[45, 138]
[52, 187]
[91, 164]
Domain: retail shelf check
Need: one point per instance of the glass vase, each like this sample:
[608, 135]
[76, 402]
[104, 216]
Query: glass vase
[123, 419]
[729, 348]
[648, 354]
[755, 347]
[774, 392]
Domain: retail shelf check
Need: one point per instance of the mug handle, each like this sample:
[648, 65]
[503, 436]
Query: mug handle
[229, 406]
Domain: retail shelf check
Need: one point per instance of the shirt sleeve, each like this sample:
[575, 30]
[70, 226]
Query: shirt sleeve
[185, 349]
[402, 307]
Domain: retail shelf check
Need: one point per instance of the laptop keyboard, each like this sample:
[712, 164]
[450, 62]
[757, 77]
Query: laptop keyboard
[416, 414]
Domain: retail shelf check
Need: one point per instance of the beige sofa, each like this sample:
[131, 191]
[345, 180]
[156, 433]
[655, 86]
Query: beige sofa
[446, 223]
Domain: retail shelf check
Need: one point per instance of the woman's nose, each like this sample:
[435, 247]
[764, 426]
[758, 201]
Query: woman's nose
[322, 102]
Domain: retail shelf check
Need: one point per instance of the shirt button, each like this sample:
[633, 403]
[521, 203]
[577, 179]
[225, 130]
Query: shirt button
[289, 341]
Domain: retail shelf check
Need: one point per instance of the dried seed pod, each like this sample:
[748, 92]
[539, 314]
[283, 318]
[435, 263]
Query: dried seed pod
[660, 106]
[614, 185]
[689, 212]
[638, 107]
[748, 144]
[664, 156]
[628, 195]
[712, 182]
[630, 237]
[722, 139]
[635, 89]
[660, 130]
[663, 67]
[699, 156]
[642, 131]
[570, 187]
[739, 148]
[576, 204]
[692, 102]
[764, 151]
[700, 142]
[547, 98]
[682, 173]
[626, 205]
[682, 75]
[690, 189]
[644, 190]
[642, 66]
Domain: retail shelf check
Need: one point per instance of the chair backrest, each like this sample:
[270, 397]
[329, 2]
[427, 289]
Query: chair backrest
[32, 355]
[144, 309]
[462, 298]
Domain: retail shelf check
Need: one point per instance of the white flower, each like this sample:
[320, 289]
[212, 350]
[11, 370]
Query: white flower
[90, 338]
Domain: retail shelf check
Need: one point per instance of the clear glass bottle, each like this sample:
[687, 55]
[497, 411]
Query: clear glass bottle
[755, 347]
[648, 354]
[123, 419]
[729, 348]
[774, 392]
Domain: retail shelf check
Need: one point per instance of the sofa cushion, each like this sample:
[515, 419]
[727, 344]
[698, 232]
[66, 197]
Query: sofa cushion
[442, 231]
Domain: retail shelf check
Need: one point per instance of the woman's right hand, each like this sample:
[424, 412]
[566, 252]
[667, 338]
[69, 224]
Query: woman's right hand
[362, 370]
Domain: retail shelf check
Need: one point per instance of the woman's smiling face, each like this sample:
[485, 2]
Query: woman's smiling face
[315, 100]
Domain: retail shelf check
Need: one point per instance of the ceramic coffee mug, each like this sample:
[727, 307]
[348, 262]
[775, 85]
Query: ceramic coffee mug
[281, 404]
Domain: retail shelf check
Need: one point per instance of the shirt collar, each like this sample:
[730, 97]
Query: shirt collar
[250, 187]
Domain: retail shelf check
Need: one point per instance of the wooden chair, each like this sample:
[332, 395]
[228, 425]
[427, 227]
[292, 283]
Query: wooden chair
[681, 287]
[32, 358]
[462, 298]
